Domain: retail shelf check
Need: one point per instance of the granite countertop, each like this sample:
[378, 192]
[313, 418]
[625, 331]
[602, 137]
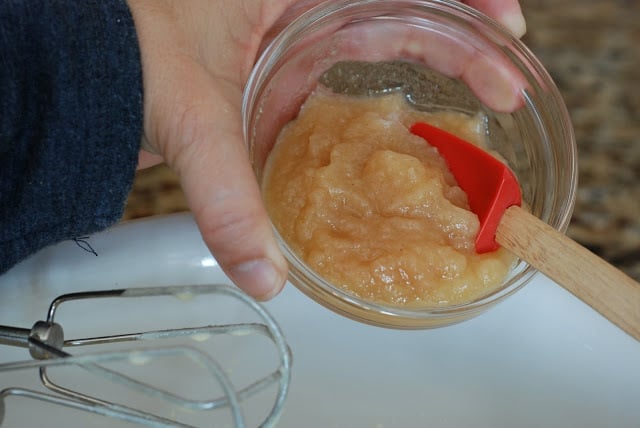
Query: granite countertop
[589, 48]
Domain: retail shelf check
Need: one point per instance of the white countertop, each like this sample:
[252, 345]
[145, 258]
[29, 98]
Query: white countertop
[540, 358]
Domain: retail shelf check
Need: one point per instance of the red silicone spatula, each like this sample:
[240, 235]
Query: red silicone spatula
[494, 196]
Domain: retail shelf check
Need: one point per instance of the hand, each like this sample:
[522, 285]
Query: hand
[196, 58]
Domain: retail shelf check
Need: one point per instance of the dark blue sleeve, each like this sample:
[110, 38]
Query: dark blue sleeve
[70, 120]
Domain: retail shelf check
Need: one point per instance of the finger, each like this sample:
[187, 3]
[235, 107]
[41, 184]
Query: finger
[222, 192]
[487, 71]
[507, 12]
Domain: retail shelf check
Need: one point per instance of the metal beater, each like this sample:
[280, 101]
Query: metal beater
[121, 368]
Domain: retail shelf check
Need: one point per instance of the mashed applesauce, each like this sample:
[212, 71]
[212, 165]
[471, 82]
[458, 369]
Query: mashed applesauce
[374, 209]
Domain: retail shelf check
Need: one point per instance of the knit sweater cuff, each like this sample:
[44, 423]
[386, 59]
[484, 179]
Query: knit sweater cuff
[70, 120]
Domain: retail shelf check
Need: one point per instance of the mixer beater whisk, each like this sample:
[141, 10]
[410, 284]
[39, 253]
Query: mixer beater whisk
[126, 360]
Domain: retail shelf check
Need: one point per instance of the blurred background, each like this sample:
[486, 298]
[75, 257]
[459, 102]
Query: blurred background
[590, 48]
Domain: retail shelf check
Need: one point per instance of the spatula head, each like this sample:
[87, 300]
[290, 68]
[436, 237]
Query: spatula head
[490, 185]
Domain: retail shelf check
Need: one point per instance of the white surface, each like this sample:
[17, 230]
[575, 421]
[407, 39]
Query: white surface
[540, 359]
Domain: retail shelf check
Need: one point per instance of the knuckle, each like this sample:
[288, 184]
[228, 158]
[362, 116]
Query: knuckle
[229, 229]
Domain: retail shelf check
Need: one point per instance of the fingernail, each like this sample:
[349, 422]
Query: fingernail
[515, 22]
[258, 278]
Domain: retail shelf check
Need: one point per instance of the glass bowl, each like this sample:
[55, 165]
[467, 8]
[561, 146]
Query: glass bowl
[458, 59]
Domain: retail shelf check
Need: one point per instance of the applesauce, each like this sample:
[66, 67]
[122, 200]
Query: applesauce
[373, 208]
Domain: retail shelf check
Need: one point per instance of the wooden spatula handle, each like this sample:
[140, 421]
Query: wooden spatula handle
[603, 287]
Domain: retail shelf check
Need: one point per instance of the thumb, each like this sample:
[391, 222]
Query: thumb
[223, 194]
[193, 119]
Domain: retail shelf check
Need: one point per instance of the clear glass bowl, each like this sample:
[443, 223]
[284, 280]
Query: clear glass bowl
[470, 63]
